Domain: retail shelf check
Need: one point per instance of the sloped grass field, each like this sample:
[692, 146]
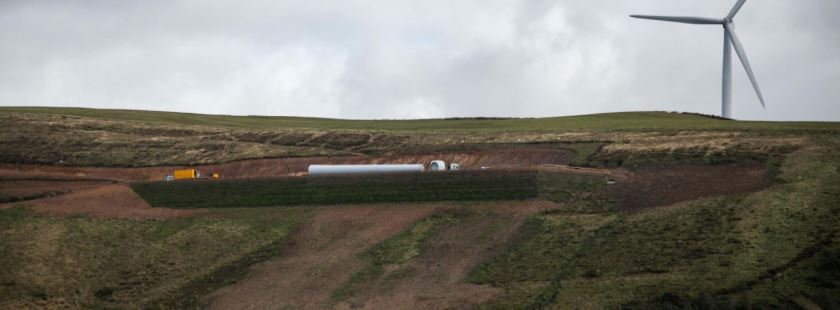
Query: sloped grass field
[599, 122]
[323, 190]
[773, 248]
[94, 263]
[114, 138]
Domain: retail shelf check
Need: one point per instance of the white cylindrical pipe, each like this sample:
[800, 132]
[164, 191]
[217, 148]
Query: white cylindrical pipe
[361, 169]
[437, 165]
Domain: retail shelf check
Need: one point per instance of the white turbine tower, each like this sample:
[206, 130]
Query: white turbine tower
[730, 39]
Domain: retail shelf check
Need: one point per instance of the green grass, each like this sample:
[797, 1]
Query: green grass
[577, 192]
[452, 186]
[689, 155]
[404, 246]
[97, 263]
[595, 122]
[584, 153]
[767, 249]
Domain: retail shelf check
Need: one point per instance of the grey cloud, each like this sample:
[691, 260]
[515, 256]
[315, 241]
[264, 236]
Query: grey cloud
[405, 59]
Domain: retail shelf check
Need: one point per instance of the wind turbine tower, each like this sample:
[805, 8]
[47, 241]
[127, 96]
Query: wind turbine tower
[730, 40]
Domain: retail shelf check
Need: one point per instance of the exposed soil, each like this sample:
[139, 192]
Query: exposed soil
[109, 201]
[669, 184]
[36, 188]
[84, 183]
[320, 257]
[436, 279]
[324, 254]
[635, 189]
[522, 157]
[81, 173]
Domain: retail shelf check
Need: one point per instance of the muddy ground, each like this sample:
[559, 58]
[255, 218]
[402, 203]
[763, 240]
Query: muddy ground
[436, 279]
[672, 183]
[32, 187]
[325, 253]
[320, 257]
[108, 201]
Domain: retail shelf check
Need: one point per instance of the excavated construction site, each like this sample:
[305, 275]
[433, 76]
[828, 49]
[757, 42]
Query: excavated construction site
[105, 192]
[504, 158]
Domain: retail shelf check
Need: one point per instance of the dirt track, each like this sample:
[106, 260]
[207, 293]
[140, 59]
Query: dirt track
[321, 256]
[36, 187]
[437, 278]
[326, 253]
[100, 199]
[109, 201]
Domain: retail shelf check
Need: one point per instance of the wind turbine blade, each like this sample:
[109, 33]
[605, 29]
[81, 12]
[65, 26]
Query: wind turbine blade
[735, 9]
[682, 19]
[739, 49]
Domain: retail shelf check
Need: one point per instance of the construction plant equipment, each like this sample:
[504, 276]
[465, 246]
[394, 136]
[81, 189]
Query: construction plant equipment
[189, 174]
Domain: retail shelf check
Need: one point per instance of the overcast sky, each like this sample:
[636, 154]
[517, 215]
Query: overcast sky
[416, 59]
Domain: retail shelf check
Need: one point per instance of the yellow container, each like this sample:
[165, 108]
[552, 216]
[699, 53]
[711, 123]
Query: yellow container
[184, 174]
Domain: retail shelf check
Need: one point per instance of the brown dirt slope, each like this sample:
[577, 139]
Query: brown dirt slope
[436, 278]
[109, 201]
[321, 256]
[35, 187]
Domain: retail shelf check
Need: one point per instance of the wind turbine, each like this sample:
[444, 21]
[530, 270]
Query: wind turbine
[730, 39]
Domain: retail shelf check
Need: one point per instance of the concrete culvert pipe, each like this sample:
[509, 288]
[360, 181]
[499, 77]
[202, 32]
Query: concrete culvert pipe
[363, 169]
[437, 165]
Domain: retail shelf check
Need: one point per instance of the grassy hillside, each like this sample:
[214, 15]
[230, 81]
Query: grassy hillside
[143, 138]
[82, 262]
[595, 122]
[774, 248]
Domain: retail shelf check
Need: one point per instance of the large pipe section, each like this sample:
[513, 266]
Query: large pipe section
[363, 169]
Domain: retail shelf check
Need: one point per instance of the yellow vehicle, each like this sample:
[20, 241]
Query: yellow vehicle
[185, 174]
[190, 174]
